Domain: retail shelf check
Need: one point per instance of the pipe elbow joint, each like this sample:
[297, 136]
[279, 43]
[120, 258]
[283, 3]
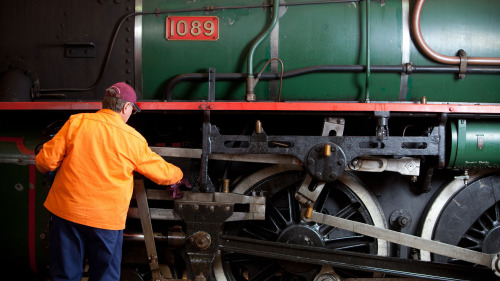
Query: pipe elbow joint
[250, 95]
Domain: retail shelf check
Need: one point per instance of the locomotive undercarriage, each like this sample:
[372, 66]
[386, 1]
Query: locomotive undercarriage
[268, 195]
[294, 237]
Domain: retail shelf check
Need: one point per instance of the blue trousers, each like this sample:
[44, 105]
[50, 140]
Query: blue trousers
[71, 243]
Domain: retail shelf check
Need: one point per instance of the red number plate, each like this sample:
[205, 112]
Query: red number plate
[192, 28]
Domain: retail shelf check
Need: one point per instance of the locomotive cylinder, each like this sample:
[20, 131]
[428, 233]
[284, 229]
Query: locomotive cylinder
[474, 144]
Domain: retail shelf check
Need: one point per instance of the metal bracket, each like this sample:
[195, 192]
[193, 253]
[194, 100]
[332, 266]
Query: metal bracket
[347, 148]
[256, 205]
[409, 166]
[211, 84]
[382, 131]
[79, 50]
[203, 214]
[203, 224]
[464, 177]
[463, 64]
[333, 124]
[205, 182]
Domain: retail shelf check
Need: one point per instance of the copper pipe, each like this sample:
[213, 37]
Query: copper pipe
[419, 40]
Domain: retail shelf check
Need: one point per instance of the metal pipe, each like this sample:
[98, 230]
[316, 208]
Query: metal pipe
[203, 77]
[276, 9]
[419, 40]
[173, 241]
[251, 80]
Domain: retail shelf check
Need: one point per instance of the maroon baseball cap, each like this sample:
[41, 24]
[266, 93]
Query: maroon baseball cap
[124, 92]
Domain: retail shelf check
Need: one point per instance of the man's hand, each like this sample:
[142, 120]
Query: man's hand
[176, 188]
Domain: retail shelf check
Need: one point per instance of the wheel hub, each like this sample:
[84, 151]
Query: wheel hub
[304, 235]
[301, 235]
[491, 243]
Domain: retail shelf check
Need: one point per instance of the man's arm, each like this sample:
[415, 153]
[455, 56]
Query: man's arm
[53, 151]
[157, 169]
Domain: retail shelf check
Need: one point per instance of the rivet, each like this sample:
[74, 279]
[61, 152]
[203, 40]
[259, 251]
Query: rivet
[19, 187]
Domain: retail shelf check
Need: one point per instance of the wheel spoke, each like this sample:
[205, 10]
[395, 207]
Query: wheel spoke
[345, 213]
[483, 226]
[490, 220]
[293, 206]
[497, 214]
[260, 232]
[276, 217]
[480, 232]
[321, 201]
[474, 240]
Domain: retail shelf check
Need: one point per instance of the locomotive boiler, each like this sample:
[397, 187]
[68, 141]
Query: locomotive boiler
[326, 140]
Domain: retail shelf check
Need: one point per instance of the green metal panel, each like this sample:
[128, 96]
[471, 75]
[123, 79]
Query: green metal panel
[163, 59]
[334, 34]
[308, 35]
[447, 27]
[324, 34]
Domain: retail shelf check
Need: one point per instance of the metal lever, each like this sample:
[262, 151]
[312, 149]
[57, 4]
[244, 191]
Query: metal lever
[147, 229]
[489, 260]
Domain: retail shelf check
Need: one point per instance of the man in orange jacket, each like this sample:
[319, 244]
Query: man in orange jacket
[96, 155]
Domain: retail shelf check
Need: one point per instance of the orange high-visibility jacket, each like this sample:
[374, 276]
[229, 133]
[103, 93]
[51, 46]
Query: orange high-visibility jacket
[96, 154]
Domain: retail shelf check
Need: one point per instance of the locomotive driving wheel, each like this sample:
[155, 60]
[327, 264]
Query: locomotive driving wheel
[465, 215]
[345, 198]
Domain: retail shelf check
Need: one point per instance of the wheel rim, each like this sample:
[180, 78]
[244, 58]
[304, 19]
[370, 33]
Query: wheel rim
[345, 198]
[466, 216]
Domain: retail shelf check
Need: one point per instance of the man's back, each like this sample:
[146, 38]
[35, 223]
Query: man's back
[94, 183]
